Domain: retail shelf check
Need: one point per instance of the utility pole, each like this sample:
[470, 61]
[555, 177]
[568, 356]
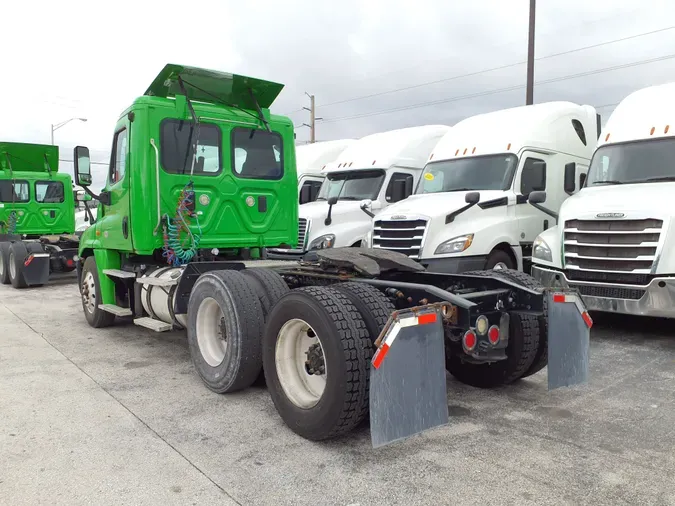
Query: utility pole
[529, 98]
[312, 118]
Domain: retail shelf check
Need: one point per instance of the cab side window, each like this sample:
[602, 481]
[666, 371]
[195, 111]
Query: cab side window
[533, 176]
[405, 181]
[118, 164]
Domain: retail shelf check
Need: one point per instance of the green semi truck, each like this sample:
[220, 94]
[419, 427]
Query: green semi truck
[202, 181]
[37, 215]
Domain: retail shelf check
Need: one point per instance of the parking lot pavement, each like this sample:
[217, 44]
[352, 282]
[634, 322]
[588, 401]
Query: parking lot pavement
[118, 415]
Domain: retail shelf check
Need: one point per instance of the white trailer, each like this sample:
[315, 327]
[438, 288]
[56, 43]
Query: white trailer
[470, 209]
[310, 161]
[613, 238]
[371, 174]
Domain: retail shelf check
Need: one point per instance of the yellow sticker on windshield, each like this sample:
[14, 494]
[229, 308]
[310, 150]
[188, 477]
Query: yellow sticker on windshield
[429, 176]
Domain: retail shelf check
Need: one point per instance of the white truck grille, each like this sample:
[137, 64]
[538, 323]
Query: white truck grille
[611, 251]
[405, 236]
[303, 230]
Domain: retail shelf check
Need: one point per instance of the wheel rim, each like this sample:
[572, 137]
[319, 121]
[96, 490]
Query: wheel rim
[211, 333]
[499, 266]
[12, 267]
[2, 266]
[296, 342]
[89, 292]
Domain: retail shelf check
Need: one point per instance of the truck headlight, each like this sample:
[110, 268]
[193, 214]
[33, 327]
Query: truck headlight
[323, 242]
[541, 251]
[455, 245]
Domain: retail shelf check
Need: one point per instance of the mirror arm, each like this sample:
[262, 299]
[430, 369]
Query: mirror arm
[89, 213]
[365, 210]
[328, 219]
[545, 211]
[451, 217]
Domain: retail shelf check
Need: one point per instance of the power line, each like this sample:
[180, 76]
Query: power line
[500, 90]
[484, 71]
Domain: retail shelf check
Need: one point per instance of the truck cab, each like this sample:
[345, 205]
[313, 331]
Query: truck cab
[311, 160]
[470, 210]
[199, 169]
[613, 238]
[371, 174]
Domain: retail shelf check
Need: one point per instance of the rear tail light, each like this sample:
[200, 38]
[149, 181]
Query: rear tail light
[493, 334]
[469, 340]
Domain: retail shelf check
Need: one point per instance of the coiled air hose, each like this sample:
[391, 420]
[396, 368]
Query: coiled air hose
[176, 251]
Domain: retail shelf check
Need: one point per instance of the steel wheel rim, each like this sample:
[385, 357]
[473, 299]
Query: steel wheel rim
[500, 266]
[12, 266]
[89, 292]
[304, 390]
[211, 336]
[2, 266]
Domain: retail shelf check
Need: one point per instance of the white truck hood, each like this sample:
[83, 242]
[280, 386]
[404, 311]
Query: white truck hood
[434, 205]
[349, 223]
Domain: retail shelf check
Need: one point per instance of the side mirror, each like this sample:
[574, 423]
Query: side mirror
[305, 194]
[367, 207]
[582, 180]
[537, 197]
[472, 198]
[569, 182]
[398, 190]
[82, 165]
[332, 201]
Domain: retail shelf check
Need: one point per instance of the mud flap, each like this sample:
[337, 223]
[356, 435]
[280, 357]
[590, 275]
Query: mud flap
[408, 392]
[569, 326]
[36, 269]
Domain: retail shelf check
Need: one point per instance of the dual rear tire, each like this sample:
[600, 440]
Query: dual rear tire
[12, 258]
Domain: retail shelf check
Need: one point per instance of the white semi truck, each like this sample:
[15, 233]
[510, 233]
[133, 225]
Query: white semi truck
[372, 173]
[310, 161]
[470, 209]
[614, 239]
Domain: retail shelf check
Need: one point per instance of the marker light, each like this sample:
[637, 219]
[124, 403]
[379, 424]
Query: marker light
[493, 334]
[482, 325]
[469, 340]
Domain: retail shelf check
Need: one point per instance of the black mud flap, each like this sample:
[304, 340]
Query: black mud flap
[569, 327]
[408, 392]
[36, 269]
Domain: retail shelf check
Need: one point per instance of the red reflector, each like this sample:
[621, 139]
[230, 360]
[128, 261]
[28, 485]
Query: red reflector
[28, 260]
[469, 340]
[587, 319]
[69, 263]
[379, 355]
[493, 334]
[426, 318]
[558, 297]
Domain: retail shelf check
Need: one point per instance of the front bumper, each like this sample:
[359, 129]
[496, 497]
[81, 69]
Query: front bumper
[454, 265]
[655, 299]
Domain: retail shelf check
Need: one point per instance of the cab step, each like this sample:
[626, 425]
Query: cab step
[149, 280]
[118, 273]
[152, 324]
[116, 310]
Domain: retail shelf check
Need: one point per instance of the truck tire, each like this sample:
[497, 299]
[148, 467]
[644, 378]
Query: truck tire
[520, 354]
[90, 289]
[224, 329]
[374, 306]
[4, 263]
[499, 258]
[527, 281]
[321, 325]
[17, 256]
[269, 287]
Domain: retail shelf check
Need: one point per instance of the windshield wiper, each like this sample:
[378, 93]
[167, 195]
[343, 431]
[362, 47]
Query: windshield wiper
[654, 179]
[609, 181]
[348, 198]
[461, 190]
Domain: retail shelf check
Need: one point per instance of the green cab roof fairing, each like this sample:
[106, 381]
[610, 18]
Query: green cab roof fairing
[25, 157]
[215, 87]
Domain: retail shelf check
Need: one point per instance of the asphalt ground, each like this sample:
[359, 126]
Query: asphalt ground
[119, 416]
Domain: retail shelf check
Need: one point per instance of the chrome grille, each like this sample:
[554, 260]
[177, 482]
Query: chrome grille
[303, 229]
[404, 236]
[623, 246]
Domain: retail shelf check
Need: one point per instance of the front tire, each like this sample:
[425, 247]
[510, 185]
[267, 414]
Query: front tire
[316, 355]
[225, 325]
[498, 260]
[90, 291]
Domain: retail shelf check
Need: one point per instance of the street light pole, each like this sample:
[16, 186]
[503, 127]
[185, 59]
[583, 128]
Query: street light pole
[63, 123]
[529, 94]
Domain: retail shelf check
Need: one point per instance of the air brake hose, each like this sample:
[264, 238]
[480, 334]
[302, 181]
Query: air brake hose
[175, 252]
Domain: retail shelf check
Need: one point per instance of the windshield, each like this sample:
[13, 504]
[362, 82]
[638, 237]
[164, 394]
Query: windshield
[491, 172]
[354, 185]
[633, 162]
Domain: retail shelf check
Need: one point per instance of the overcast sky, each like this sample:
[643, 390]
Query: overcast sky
[89, 59]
